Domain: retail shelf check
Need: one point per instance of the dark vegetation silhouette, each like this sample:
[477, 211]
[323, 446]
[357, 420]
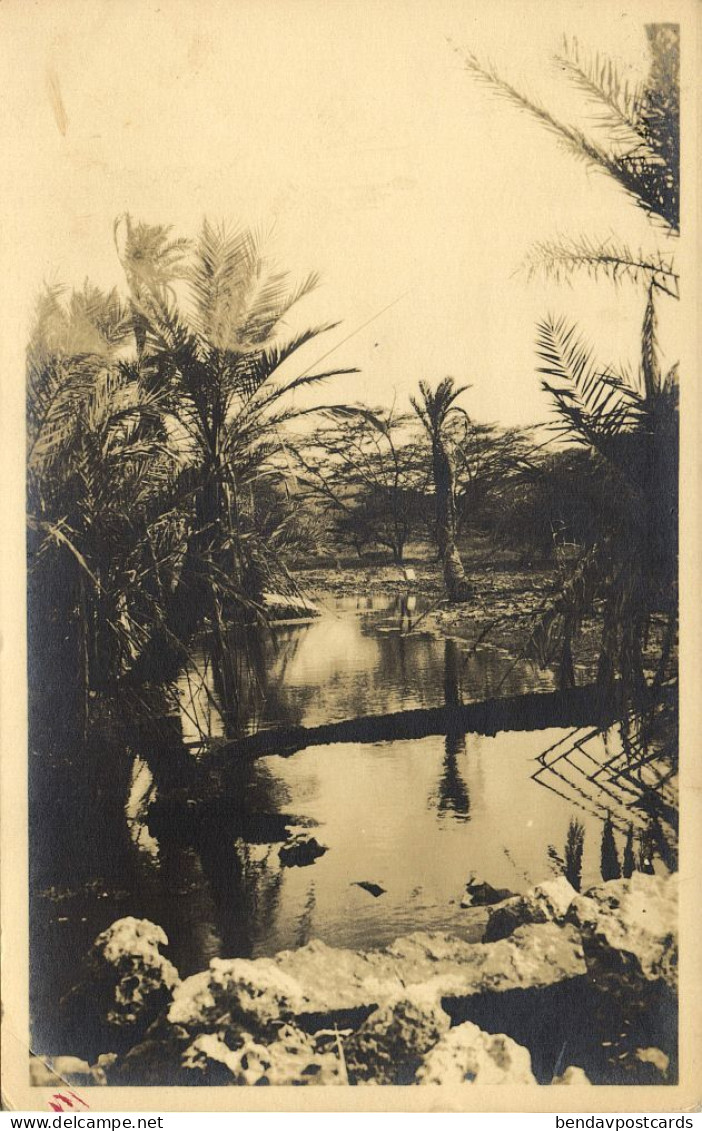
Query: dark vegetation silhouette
[627, 422]
[570, 864]
[153, 424]
[610, 866]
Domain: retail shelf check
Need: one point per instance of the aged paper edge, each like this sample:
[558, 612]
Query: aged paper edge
[687, 1095]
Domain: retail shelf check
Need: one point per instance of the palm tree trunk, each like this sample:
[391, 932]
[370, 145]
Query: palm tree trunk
[225, 668]
[457, 586]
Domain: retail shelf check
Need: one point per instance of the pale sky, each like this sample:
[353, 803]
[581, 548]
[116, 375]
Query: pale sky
[352, 131]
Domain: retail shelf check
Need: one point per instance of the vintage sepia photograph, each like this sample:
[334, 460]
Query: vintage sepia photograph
[351, 339]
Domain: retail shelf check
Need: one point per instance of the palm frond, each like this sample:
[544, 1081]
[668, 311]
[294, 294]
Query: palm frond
[62, 535]
[225, 266]
[377, 421]
[270, 303]
[650, 367]
[570, 136]
[592, 403]
[558, 259]
[621, 101]
[640, 169]
[95, 312]
[56, 405]
[251, 370]
[239, 299]
[306, 379]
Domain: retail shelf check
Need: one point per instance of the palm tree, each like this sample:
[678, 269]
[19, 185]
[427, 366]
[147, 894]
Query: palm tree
[628, 423]
[214, 359]
[628, 564]
[96, 471]
[149, 431]
[443, 419]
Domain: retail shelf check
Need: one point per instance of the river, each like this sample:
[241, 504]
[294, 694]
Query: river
[414, 817]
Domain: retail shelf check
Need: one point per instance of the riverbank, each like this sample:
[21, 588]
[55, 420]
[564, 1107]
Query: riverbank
[507, 604]
[501, 615]
[563, 988]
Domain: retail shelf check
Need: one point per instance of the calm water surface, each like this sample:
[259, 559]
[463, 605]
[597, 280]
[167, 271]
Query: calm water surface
[415, 817]
[354, 660]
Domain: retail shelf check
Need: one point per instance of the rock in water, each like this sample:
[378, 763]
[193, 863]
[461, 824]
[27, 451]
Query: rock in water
[574, 1077]
[300, 851]
[374, 889]
[659, 1062]
[547, 903]
[467, 1055]
[480, 894]
[389, 1046]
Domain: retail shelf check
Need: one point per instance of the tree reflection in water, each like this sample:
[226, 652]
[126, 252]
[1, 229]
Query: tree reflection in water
[304, 930]
[452, 793]
[219, 852]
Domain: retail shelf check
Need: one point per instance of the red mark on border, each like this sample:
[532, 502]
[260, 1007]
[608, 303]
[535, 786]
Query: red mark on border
[64, 1103]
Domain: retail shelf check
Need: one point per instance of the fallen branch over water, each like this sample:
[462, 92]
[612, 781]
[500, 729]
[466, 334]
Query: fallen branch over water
[579, 706]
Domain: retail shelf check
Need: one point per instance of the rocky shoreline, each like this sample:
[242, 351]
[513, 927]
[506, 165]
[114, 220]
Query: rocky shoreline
[564, 988]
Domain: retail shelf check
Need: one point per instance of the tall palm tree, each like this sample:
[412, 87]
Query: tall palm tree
[628, 423]
[442, 418]
[96, 470]
[215, 357]
[149, 430]
[628, 565]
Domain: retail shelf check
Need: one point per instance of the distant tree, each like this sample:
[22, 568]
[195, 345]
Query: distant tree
[366, 468]
[610, 868]
[445, 422]
[551, 506]
[490, 462]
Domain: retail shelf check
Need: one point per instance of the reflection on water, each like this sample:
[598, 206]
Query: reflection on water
[453, 796]
[142, 792]
[357, 658]
[414, 816]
